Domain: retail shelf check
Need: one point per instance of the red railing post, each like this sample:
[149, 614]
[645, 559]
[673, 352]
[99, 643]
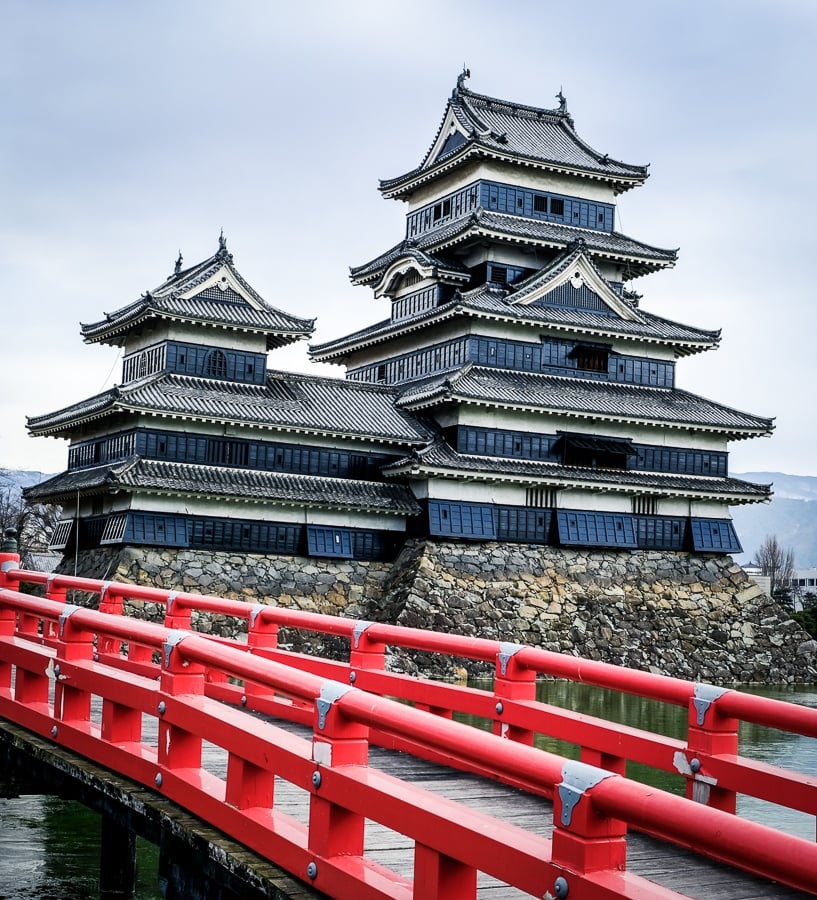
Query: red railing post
[262, 639]
[120, 724]
[74, 643]
[58, 594]
[177, 615]
[112, 603]
[9, 559]
[248, 785]
[261, 633]
[439, 877]
[512, 681]
[364, 652]
[709, 734]
[8, 623]
[178, 749]
[333, 829]
[29, 626]
[584, 840]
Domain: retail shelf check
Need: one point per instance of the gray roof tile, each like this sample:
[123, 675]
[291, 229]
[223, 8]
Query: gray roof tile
[141, 475]
[291, 402]
[640, 258]
[491, 301]
[211, 306]
[583, 398]
[543, 137]
[442, 460]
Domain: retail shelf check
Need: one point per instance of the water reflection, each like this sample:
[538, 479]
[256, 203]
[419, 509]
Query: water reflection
[777, 748]
[49, 850]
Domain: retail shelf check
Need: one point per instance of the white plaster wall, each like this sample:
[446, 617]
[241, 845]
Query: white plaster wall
[545, 423]
[508, 173]
[573, 498]
[210, 336]
[260, 511]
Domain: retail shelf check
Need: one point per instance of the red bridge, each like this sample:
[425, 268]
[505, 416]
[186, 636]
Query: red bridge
[361, 783]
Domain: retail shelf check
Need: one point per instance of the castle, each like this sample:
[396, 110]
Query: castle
[518, 391]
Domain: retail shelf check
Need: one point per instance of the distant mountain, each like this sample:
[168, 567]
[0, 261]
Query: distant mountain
[14, 480]
[791, 517]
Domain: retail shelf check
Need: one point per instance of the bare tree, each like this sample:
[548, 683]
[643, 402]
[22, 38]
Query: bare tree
[777, 563]
[33, 522]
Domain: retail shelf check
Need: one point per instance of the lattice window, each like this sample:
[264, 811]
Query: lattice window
[216, 364]
[590, 359]
[645, 506]
[114, 529]
[541, 497]
[61, 535]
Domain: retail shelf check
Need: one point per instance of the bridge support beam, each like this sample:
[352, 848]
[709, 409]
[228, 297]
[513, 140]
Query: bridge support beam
[117, 861]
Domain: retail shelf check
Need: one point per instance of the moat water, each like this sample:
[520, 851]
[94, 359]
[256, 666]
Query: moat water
[49, 848]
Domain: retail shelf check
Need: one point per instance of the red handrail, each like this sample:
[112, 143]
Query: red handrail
[590, 809]
[708, 759]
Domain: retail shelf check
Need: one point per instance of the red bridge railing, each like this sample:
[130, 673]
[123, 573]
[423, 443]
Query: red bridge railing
[46, 645]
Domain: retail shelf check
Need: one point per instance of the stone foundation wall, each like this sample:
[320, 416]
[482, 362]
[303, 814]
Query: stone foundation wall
[691, 616]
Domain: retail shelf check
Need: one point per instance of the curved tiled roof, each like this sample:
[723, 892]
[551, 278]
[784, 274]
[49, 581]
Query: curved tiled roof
[545, 138]
[440, 459]
[211, 306]
[639, 257]
[583, 398]
[279, 488]
[287, 402]
[492, 302]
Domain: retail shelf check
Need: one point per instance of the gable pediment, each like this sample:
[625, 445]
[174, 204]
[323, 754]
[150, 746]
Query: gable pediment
[452, 134]
[222, 284]
[575, 283]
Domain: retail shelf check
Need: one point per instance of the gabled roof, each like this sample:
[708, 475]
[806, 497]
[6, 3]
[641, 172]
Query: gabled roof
[408, 256]
[583, 398]
[286, 402]
[440, 460]
[637, 257]
[475, 125]
[574, 267]
[212, 293]
[526, 303]
[142, 476]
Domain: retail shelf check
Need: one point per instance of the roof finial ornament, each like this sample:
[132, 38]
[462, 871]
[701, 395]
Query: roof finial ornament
[222, 242]
[178, 267]
[562, 101]
[466, 73]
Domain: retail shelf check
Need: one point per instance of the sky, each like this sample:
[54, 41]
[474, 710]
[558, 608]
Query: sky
[132, 131]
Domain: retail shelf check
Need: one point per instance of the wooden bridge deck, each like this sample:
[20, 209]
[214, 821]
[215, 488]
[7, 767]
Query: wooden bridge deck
[664, 864]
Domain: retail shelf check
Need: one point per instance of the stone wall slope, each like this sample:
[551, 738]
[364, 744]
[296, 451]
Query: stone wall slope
[691, 616]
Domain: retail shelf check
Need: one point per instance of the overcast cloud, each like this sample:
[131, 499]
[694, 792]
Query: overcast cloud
[134, 130]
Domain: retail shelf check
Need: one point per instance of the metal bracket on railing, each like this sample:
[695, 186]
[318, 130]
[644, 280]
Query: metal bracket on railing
[257, 609]
[173, 638]
[506, 651]
[67, 611]
[49, 581]
[104, 590]
[330, 692]
[577, 779]
[360, 627]
[171, 599]
[705, 696]
[701, 784]
[8, 565]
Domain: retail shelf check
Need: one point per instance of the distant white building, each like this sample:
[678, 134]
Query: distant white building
[805, 581]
